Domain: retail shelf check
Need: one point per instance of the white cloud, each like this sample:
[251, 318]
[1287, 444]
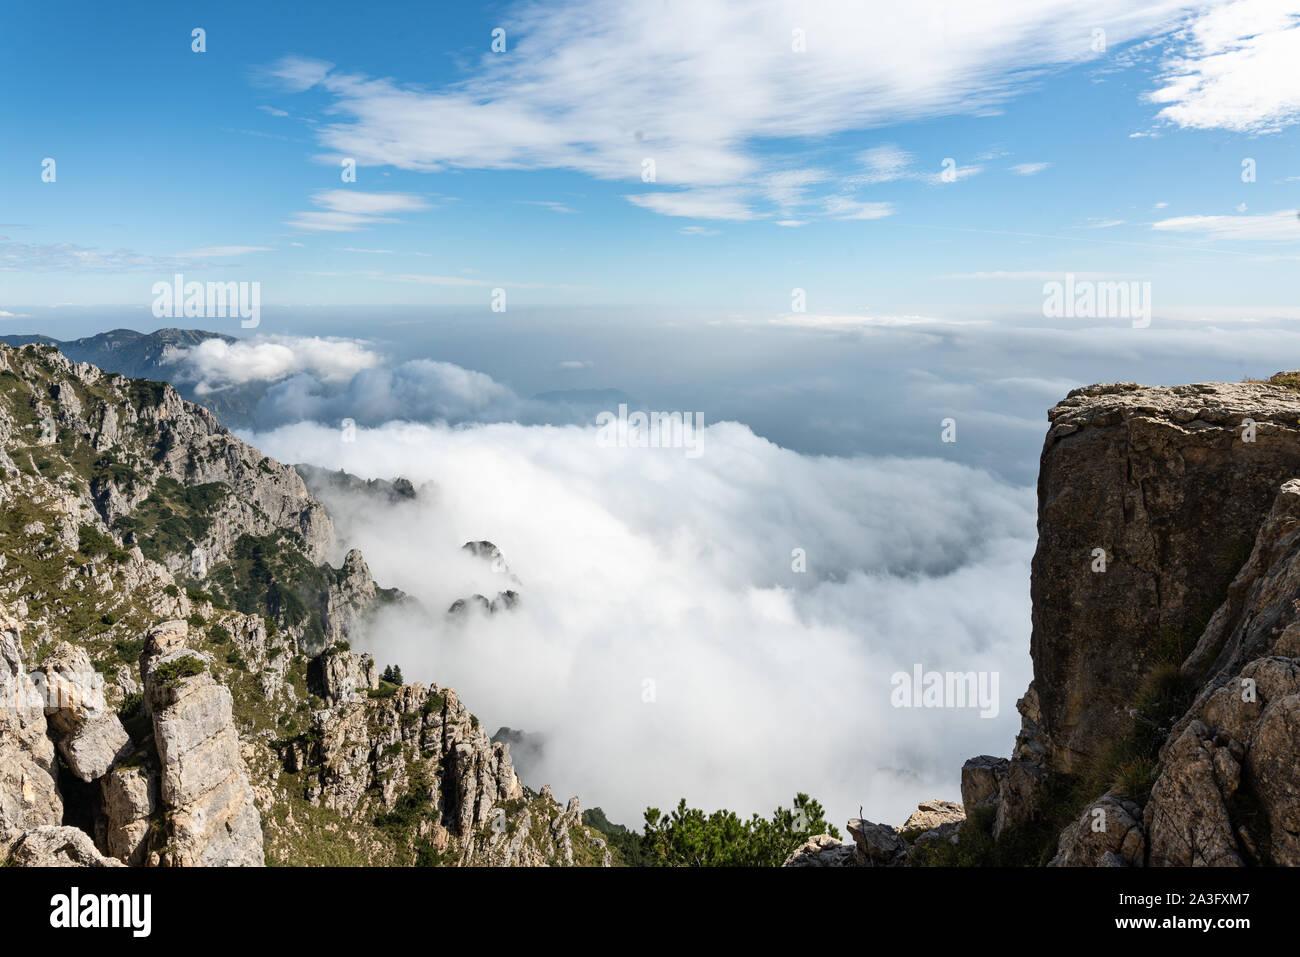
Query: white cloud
[217, 252]
[599, 87]
[1034, 274]
[70, 257]
[1235, 69]
[885, 163]
[552, 205]
[1282, 226]
[346, 210]
[1029, 169]
[788, 188]
[699, 231]
[643, 565]
[842, 207]
[215, 364]
[726, 204]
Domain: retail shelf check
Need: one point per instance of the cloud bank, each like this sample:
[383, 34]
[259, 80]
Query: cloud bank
[665, 646]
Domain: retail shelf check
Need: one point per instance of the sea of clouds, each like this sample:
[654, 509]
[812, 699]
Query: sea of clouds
[664, 646]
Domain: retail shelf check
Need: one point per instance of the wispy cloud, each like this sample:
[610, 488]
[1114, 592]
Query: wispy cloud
[221, 252]
[1281, 226]
[553, 206]
[1029, 169]
[601, 88]
[346, 210]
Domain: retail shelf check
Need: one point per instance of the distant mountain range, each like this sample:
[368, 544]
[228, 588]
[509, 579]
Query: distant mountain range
[147, 355]
[142, 355]
[137, 355]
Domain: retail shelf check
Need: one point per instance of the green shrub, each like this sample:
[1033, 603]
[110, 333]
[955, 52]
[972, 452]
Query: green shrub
[171, 672]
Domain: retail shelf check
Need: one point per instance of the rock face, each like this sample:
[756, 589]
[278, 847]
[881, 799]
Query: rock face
[981, 781]
[90, 736]
[28, 794]
[822, 850]
[348, 598]
[1108, 834]
[49, 846]
[1171, 484]
[338, 675]
[130, 796]
[213, 820]
[1166, 628]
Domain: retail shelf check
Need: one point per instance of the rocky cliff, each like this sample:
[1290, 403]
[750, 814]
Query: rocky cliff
[177, 686]
[1162, 726]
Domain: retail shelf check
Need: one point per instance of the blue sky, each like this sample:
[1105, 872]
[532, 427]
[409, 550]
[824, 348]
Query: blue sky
[522, 169]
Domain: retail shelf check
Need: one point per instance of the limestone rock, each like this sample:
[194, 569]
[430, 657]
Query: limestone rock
[130, 795]
[203, 783]
[877, 845]
[981, 780]
[89, 734]
[51, 846]
[1159, 479]
[1187, 819]
[337, 675]
[28, 795]
[822, 850]
[1109, 833]
[933, 814]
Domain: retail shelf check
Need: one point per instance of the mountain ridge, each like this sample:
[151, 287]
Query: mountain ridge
[171, 580]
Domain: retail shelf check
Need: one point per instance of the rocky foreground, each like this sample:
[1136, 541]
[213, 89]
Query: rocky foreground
[1162, 726]
[176, 682]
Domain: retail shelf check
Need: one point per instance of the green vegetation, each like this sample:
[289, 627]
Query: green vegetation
[393, 675]
[173, 517]
[171, 672]
[91, 542]
[269, 575]
[627, 846]
[690, 838]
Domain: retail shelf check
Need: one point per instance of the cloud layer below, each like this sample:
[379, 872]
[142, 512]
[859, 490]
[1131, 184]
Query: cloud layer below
[645, 571]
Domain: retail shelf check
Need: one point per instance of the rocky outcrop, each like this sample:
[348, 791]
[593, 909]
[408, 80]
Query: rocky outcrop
[822, 850]
[211, 817]
[981, 781]
[88, 733]
[1166, 630]
[338, 675]
[1163, 488]
[1109, 833]
[29, 796]
[349, 598]
[130, 796]
[51, 846]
